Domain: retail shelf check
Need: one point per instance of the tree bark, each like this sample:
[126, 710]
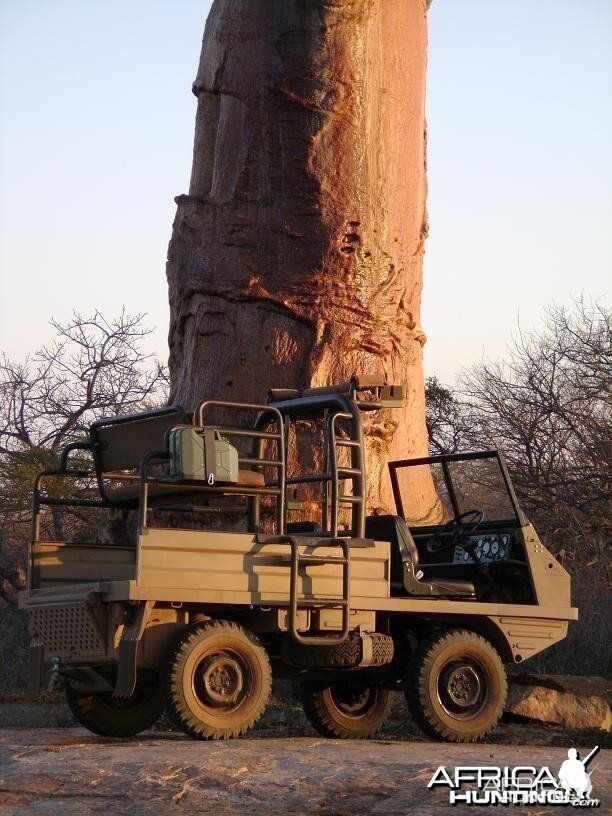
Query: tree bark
[296, 258]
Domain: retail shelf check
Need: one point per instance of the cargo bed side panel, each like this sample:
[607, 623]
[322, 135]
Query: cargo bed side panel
[237, 563]
[55, 563]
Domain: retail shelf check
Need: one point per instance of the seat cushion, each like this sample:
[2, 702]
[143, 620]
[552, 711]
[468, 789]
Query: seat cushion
[173, 492]
[156, 493]
[451, 587]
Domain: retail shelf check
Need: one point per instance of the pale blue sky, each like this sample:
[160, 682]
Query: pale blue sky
[96, 134]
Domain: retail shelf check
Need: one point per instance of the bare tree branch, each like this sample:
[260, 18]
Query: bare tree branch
[93, 367]
[548, 404]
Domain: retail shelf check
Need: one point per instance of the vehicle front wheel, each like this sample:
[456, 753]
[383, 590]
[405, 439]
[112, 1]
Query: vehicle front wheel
[218, 680]
[456, 686]
[110, 716]
[347, 709]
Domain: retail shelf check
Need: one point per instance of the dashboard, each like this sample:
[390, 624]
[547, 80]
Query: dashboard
[489, 549]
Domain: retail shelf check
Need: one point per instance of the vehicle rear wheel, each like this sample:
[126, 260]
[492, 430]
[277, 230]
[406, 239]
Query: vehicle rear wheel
[456, 686]
[218, 680]
[346, 709]
[110, 716]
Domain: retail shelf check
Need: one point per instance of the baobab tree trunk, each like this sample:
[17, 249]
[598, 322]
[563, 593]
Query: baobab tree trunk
[296, 258]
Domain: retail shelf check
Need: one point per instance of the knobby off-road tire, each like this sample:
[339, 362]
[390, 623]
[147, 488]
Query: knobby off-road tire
[456, 686]
[108, 716]
[217, 681]
[346, 709]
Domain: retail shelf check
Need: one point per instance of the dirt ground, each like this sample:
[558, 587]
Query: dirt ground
[282, 768]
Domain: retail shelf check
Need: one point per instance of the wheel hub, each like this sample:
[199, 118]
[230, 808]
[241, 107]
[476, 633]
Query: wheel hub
[221, 680]
[351, 699]
[463, 686]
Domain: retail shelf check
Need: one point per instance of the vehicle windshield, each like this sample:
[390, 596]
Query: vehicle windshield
[462, 482]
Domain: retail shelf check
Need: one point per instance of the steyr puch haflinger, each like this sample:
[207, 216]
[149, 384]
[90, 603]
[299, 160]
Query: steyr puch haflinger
[253, 556]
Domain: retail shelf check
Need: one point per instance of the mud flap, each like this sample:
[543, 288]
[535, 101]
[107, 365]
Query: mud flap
[128, 650]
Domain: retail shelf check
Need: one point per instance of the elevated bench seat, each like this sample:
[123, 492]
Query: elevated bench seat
[119, 445]
[166, 491]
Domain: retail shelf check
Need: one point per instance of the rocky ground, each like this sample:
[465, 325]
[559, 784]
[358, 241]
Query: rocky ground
[283, 767]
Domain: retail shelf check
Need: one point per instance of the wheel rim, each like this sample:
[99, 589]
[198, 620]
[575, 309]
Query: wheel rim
[463, 688]
[221, 681]
[353, 700]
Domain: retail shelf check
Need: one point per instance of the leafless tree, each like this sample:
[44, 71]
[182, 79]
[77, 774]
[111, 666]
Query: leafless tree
[547, 404]
[447, 427]
[93, 367]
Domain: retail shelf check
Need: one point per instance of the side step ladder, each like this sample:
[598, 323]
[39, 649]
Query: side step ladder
[296, 604]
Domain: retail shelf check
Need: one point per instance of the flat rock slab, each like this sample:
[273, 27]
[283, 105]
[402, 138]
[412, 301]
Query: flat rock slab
[573, 702]
[560, 707]
[69, 772]
[570, 683]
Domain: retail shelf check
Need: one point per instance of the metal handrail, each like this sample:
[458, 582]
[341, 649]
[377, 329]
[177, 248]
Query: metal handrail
[226, 431]
[357, 499]
[160, 456]
[247, 406]
[258, 460]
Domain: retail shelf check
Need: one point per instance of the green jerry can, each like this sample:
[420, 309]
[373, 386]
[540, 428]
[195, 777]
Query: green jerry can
[202, 454]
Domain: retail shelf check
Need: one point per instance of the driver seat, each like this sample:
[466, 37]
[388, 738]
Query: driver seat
[405, 561]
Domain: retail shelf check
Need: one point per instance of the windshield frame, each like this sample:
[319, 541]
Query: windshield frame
[444, 459]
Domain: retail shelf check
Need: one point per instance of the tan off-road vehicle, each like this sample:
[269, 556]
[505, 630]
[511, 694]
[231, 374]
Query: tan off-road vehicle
[290, 577]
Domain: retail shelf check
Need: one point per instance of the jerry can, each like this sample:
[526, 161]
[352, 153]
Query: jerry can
[202, 454]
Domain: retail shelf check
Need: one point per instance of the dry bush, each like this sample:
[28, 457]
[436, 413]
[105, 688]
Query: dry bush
[548, 406]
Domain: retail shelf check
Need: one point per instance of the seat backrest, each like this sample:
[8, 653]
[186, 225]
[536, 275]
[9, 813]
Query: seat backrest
[403, 548]
[121, 442]
[406, 542]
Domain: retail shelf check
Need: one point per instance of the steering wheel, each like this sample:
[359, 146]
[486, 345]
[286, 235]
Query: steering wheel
[459, 527]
